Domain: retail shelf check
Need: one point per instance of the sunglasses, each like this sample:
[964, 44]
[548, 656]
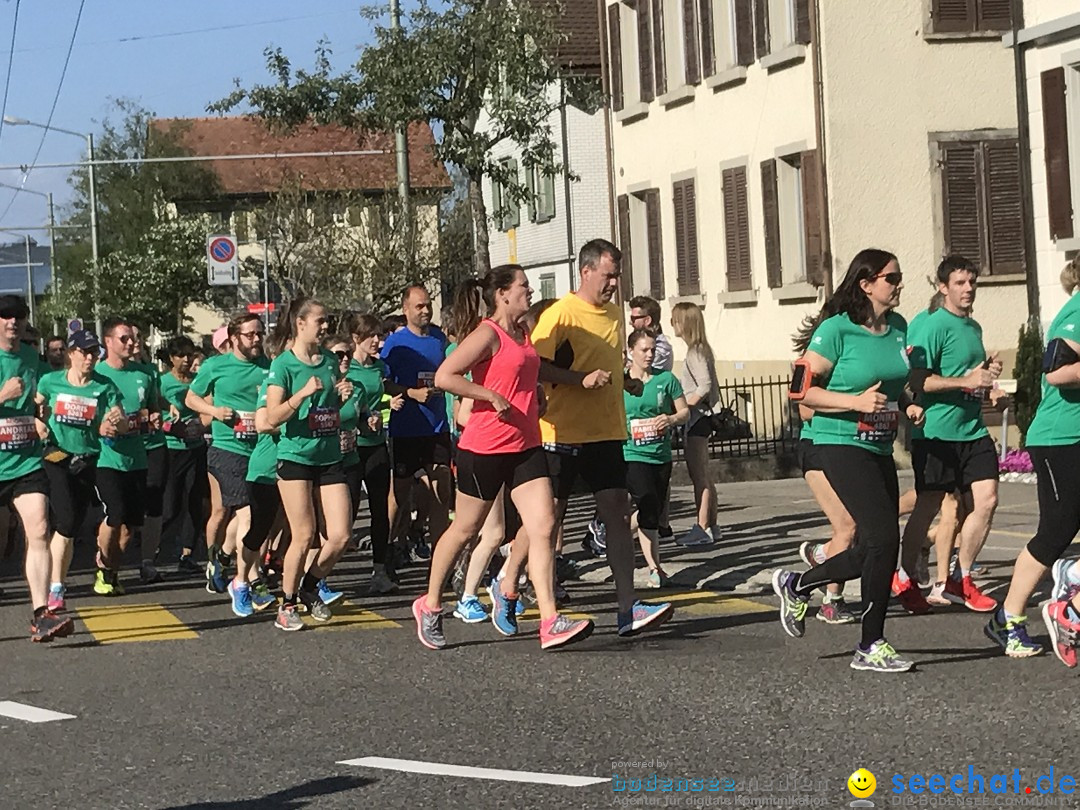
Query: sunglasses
[340, 355]
[892, 278]
[126, 339]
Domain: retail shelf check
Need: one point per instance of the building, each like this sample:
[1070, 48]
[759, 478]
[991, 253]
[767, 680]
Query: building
[760, 144]
[14, 270]
[561, 214]
[332, 185]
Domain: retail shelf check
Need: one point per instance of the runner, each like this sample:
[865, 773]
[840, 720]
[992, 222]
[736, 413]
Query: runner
[858, 343]
[500, 446]
[953, 451]
[651, 414]
[56, 352]
[82, 405]
[305, 391]
[23, 484]
[227, 389]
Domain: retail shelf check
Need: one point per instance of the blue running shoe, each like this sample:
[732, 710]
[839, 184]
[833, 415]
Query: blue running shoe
[471, 611]
[261, 598]
[644, 614]
[241, 599]
[328, 595]
[503, 610]
[1062, 583]
[215, 577]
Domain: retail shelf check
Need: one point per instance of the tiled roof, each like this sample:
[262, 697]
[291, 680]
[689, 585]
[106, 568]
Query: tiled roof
[242, 135]
[578, 21]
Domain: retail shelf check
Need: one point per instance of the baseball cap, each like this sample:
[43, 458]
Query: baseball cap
[83, 339]
[220, 337]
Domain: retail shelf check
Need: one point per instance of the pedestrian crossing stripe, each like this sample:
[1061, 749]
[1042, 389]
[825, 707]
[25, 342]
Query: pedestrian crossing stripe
[696, 603]
[348, 616]
[113, 624]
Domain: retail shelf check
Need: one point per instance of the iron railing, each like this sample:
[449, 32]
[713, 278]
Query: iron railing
[765, 422]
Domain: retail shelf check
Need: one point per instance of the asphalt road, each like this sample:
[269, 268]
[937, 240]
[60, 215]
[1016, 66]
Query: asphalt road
[184, 706]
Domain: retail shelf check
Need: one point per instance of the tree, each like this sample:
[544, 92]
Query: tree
[482, 71]
[1028, 372]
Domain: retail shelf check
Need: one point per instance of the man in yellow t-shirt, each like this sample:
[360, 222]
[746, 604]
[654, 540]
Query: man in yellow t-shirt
[580, 345]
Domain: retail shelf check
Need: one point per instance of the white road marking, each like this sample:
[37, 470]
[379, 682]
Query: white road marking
[469, 772]
[31, 714]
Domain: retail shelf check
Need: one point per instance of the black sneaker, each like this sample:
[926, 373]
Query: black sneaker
[48, 626]
[566, 569]
[188, 567]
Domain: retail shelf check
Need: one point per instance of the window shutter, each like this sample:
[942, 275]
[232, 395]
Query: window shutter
[547, 206]
[802, 21]
[678, 198]
[656, 245]
[770, 209]
[496, 211]
[953, 15]
[691, 57]
[963, 211]
[736, 230]
[645, 50]
[1004, 216]
[708, 50]
[686, 249]
[994, 15]
[615, 61]
[626, 279]
[744, 32]
[530, 190]
[659, 51]
[761, 27]
[810, 167]
[1056, 137]
[513, 216]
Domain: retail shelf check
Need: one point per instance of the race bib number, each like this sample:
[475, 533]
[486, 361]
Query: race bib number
[138, 421]
[425, 379]
[643, 432]
[323, 422]
[879, 427]
[974, 394]
[17, 432]
[348, 441]
[71, 409]
[562, 449]
[244, 428]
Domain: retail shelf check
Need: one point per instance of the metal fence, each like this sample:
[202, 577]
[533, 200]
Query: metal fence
[761, 420]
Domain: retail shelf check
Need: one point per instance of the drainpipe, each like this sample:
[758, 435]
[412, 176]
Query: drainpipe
[609, 157]
[819, 130]
[1026, 197]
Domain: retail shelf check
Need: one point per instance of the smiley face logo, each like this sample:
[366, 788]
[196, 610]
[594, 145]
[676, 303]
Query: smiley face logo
[862, 784]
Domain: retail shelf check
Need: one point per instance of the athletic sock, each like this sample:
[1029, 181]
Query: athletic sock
[288, 600]
[213, 553]
[310, 583]
[55, 586]
[1008, 616]
[465, 597]
[1071, 574]
[40, 611]
[901, 574]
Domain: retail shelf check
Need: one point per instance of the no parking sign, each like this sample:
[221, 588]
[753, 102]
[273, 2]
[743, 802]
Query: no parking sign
[222, 265]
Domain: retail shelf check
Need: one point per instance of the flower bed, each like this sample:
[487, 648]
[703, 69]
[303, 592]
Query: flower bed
[1017, 467]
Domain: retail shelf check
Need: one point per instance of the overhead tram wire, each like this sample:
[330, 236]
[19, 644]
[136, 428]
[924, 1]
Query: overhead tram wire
[11, 59]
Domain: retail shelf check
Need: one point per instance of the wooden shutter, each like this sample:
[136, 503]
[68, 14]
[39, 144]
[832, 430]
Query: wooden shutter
[994, 15]
[626, 280]
[691, 57]
[531, 193]
[645, 51]
[686, 247]
[744, 32]
[770, 209]
[812, 230]
[1005, 221]
[615, 62]
[802, 21]
[953, 15]
[659, 51]
[656, 244]
[962, 205]
[761, 27]
[513, 214]
[708, 50]
[1056, 137]
[736, 230]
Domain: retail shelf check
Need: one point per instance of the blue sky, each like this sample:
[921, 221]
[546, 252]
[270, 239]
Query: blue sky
[120, 53]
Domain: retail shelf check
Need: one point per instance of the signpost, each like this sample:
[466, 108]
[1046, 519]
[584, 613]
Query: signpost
[74, 325]
[222, 264]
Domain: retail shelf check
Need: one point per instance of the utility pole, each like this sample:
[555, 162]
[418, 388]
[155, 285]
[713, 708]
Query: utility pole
[401, 146]
[30, 282]
[93, 231]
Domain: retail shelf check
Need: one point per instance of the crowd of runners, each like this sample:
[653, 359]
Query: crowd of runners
[476, 437]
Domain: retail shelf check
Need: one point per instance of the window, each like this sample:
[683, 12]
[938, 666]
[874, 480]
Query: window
[686, 243]
[980, 181]
[780, 23]
[504, 209]
[641, 243]
[970, 16]
[789, 202]
[1060, 91]
[547, 286]
[736, 229]
[731, 35]
[541, 190]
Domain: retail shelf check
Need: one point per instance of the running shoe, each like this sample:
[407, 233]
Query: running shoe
[1012, 635]
[215, 576]
[318, 609]
[644, 615]
[922, 569]
[327, 594]
[812, 554]
[261, 598]
[114, 580]
[715, 533]
[1062, 583]
[503, 609]
[658, 579]
[420, 552]
[937, 595]
[48, 626]
[562, 596]
[835, 611]
[56, 599]
[288, 619]
[967, 593]
[881, 657]
[665, 533]
[241, 599]
[471, 611]
[596, 538]
[148, 574]
[1064, 632]
[558, 631]
[187, 566]
[380, 583]
[697, 536]
[428, 624]
[102, 584]
[566, 569]
[911, 598]
[792, 604]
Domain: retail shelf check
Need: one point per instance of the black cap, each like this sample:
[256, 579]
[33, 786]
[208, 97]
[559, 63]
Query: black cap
[13, 306]
[83, 339]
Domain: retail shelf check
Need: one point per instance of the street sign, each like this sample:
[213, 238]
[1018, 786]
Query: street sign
[260, 308]
[222, 265]
[74, 325]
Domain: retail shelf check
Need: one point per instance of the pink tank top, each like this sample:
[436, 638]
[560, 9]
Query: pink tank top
[512, 371]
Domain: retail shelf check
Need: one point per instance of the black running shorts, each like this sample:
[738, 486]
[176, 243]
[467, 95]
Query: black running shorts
[600, 464]
[942, 466]
[482, 475]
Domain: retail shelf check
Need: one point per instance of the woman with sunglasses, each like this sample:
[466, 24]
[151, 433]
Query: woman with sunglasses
[83, 405]
[857, 352]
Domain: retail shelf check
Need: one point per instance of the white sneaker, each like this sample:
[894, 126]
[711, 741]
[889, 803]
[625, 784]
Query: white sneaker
[715, 533]
[937, 595]
[697, 536]
[381, 583]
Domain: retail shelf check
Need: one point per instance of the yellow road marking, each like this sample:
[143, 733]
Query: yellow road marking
[1028, 535]
[348, 616]
[711, 603]
[121, 623]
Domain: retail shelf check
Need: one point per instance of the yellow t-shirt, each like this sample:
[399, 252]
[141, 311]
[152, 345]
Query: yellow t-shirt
[575, 335]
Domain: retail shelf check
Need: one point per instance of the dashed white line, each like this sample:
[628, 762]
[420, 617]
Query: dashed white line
[469, 772]
[31, 714]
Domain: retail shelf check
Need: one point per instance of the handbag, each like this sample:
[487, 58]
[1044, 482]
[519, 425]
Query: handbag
[724, 423]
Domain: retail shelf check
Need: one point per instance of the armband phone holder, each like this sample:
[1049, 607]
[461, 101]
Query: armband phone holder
[802, 377]
[1058, 353]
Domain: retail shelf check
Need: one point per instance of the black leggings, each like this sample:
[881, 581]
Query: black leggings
[375, 471]
[186, 492]
[157, 473]
[1058, 469]
[866, 484]
[265, 501]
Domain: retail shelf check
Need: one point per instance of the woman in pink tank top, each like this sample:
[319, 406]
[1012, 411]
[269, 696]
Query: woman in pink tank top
[499, 447]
